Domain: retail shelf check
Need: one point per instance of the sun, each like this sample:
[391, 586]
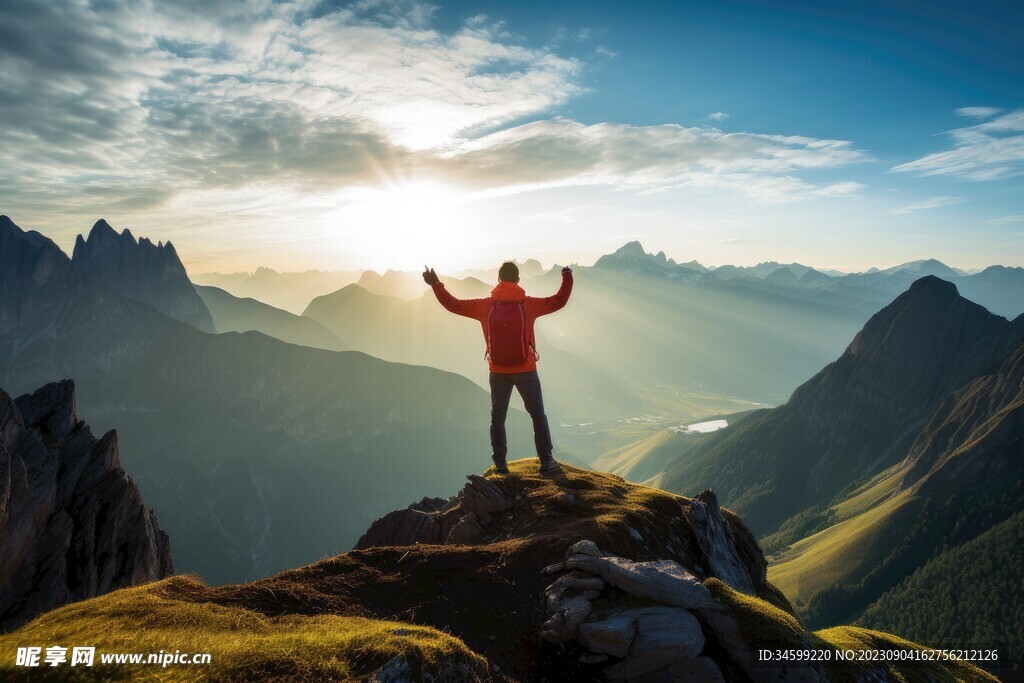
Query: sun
[405, 226]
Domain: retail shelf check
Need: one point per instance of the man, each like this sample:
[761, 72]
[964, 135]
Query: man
[507, 317]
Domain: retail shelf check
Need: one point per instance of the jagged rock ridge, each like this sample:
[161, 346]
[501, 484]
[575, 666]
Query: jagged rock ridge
[38, 280]
[140, 270]
[73, 525]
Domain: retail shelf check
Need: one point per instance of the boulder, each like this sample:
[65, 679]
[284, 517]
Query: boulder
[665, 636]
[585, 548]
[715, 540]
[612, 636]
[465, 531]
[579, 581]
[664, 581]
[483, 498]
[553, 568]
[566, 616]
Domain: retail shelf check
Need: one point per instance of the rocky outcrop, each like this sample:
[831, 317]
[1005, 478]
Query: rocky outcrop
[140, 270]
[715, 539]
[456, 520]
[72, 524]
[654, 620]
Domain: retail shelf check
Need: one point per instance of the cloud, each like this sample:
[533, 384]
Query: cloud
[732, 240]
[933, 203]
[991, 150]
[717, 116]
[127, 105]
[1008, 219]
[560, 152]
[977, 112]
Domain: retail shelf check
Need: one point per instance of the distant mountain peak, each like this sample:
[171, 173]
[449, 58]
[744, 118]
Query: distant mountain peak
[925, 267]
[633, 248]
[930, 309]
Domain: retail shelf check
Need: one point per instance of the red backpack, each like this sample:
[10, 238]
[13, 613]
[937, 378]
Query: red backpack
[506, 333]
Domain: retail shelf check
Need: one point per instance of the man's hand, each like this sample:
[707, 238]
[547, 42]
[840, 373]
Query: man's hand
[430, 277]
[567, 269]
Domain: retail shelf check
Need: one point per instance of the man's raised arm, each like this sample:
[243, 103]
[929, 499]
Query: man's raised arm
[471, 308]
[550, 304]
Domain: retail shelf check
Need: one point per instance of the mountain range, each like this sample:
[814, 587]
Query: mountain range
[892, 460]
[255, 453]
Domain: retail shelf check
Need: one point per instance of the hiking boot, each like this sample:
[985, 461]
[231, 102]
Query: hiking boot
[500, 467]
[549, 466]
[500, 470]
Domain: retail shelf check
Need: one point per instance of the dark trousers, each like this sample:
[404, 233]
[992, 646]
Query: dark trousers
[528, 384]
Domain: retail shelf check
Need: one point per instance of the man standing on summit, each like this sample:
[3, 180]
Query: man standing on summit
[507, 318]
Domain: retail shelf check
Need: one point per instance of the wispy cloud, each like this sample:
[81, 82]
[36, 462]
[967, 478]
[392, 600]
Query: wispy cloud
[118, 105]
[561, 152]
[977, 112]
[1008, 219]
[933, 203]
[986, 151]
[717, 116]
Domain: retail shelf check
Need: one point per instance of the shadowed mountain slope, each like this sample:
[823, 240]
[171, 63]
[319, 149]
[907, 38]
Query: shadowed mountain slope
[859, 415]
[233, 314]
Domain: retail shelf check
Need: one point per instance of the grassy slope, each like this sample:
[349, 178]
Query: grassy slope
[642, 459]
[243, 644]
[765, 625]
[839, 551]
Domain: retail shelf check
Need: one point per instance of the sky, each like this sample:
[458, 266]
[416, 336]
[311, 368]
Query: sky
[391, 133]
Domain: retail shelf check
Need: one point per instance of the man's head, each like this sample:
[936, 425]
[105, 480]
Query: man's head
[509, 272]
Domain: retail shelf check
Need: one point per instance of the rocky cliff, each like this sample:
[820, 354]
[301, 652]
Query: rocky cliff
[72, 523]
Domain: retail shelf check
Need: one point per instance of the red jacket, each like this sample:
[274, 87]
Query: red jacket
[507, 291]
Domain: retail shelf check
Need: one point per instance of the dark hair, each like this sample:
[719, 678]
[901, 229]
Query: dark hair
[509, 272]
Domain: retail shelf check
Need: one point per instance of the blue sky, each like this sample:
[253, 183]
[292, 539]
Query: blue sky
[386, 133]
